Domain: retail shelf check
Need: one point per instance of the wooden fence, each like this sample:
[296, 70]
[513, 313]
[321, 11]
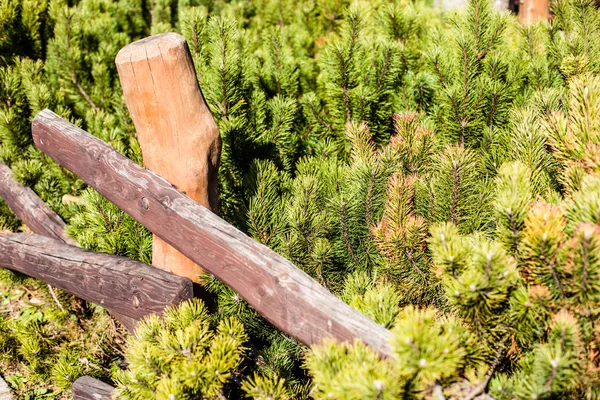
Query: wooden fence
[282, 293]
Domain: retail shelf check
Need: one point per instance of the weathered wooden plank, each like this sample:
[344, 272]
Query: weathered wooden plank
[128, 287]
[285, 295]
[40, 219]
[30, 209]
[5, 393]
[179, 138]
[88, 388]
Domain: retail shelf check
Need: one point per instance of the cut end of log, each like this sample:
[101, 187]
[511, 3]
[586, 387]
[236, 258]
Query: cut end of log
[150, 47]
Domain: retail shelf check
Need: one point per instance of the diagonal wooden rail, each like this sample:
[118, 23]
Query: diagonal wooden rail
[282, 293]
[30, 208]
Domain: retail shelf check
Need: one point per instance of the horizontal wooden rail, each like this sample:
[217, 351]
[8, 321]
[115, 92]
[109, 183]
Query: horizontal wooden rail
[283, 294]
[128, 287]
[88, 388]
[40, 219]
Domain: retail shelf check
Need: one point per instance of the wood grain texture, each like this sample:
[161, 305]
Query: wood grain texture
[30, 209]
[283, 294]
[40, 219]
[88, 388]
[176, 130]
[128, 287]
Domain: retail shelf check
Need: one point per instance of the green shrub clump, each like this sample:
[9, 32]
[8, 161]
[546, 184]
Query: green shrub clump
[438, 171]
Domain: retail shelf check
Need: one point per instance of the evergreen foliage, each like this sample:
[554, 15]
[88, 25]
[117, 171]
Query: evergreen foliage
[46, 344]
[439, 173]
[180, 356]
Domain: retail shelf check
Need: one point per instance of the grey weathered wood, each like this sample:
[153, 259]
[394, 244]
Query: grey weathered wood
[128, 287]
[5, 393]
[283, 294]
[88, 388]
[30, 209]
[40, 219]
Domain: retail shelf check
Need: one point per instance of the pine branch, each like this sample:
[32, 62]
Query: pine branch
[344, 222]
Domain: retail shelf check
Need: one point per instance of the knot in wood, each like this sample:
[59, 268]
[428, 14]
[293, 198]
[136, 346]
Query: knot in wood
[135, 302]
[145, 203]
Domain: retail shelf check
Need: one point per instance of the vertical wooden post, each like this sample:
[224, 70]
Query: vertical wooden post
[531, 11]
[177, 133]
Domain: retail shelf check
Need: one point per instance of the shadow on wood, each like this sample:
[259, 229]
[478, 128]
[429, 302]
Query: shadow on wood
[283, 294]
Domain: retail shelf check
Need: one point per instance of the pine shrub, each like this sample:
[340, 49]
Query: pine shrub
[438, 172]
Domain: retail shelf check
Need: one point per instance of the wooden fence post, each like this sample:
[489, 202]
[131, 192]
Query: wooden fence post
[177, 133]
[282, 293]
[531, 11]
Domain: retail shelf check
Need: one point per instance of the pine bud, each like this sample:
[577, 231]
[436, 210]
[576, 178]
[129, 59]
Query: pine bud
[378, 385]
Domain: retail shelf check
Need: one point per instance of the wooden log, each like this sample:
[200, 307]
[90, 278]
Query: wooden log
[30, 209]
[88, 388]
[40, 219]
[532, 11]
[176, 130]
[5, 393]
[285, 295]
[128, 287]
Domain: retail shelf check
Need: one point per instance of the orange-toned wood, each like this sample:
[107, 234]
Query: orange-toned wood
[531, 11]
[176, 130]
